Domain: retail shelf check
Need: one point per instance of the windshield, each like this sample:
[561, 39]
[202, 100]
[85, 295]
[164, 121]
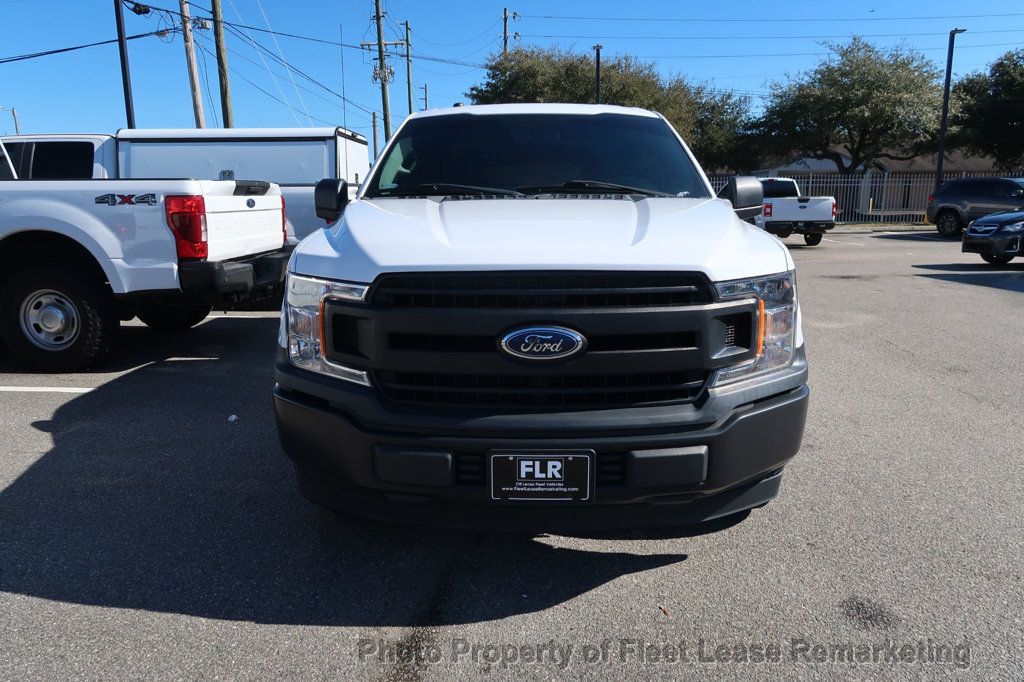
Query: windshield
[535, 153]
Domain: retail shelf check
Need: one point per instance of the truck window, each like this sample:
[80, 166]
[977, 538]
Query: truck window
[62, 161]
[286, 162]
[16, 153]
[778, 189]
[5, 168]
[509, 151]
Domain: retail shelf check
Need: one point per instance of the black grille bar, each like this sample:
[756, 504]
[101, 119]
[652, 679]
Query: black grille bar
[540, 290]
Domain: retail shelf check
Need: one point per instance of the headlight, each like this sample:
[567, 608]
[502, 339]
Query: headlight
[776, 324]
[302, 324]
[1013, 227]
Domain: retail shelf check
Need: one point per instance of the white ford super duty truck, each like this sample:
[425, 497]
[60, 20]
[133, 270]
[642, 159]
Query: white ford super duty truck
[785, 211]
[79, 256]
[540, 316]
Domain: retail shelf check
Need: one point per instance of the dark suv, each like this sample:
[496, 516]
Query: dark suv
[958, 202]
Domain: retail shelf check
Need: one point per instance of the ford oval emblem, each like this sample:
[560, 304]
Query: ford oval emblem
[250, 202]
[543, 343]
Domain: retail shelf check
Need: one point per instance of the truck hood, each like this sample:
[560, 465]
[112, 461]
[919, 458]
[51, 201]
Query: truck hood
[588, 233]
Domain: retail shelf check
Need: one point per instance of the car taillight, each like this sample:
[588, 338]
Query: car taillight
[767, 210]
[186, 216]
[835, 210]
[284, 222]
[931, 198]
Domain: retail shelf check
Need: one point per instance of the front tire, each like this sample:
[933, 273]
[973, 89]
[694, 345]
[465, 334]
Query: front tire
[57, 319]
[949, 224]
[171, 318]
[812, 239]
[996, 260]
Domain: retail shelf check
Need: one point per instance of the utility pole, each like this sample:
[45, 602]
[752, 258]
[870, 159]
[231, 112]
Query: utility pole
[190, 61]
[375, 135]
[505, 16]
[408, 65]
[14, 115]
[126, 76]
[426, 105]
[945, 105]
[597, 74]
[382, 65]
[222, 64]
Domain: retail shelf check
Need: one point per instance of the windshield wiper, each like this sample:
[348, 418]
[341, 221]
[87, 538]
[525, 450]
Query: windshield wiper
[445, 189]
[593, 185]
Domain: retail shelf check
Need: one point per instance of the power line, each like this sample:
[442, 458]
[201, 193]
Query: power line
[265, 92]
[21, 57]
[693, 20]
[803, 54]
[761, 37]
[461, 42]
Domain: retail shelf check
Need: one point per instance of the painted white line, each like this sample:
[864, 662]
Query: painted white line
[43, 389]
[847, 243]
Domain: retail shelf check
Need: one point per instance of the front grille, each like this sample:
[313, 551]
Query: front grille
[433, 339]
[540, 391]
[541, 290]
[982, 229]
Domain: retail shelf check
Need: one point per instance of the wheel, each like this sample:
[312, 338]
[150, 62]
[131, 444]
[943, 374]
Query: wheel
[949, 224]
[782, 234]
[996, 260]
[813, 239]
[171, 317]
[56, 318]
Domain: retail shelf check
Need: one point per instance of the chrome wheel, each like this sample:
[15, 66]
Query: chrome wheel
[50, 320]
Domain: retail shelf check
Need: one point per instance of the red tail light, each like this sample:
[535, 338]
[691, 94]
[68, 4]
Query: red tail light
[835, 210]
[186, 216]
[284, 222]
[766, 210]
[931, 198]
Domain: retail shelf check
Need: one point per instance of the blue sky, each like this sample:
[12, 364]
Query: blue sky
[741, 46]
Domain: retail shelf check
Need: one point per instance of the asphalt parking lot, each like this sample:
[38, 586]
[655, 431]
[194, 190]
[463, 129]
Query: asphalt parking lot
[144, 533]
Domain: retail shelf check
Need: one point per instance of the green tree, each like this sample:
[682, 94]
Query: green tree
[709, 121]
[859, 105]
[990, 111]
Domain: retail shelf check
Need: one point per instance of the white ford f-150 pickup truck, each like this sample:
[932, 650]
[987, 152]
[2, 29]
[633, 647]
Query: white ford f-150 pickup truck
[79, 256]
[785, 211]
[539, 316]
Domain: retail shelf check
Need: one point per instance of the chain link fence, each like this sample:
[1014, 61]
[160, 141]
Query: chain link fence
[871, 197]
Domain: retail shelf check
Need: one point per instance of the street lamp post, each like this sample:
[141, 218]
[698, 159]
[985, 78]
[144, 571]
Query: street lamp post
[945, 105]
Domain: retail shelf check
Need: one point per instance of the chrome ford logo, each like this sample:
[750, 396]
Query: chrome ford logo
[543, 343]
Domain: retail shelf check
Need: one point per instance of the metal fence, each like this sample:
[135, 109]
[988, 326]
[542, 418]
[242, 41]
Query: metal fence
[871, 197]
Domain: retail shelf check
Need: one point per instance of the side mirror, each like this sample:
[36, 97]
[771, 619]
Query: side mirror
[746, 195]
[330, 197]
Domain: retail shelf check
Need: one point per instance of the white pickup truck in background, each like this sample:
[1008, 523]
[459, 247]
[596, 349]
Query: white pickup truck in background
[79, 256]
[294, 158]
[785, 211]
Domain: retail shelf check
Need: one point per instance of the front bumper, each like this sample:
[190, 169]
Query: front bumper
[995, 244]
[235, 280]
[412, 469]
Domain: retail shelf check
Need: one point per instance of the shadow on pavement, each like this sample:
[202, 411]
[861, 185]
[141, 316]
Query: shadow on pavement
[930, 236]
[1009, 277]
[151, 499]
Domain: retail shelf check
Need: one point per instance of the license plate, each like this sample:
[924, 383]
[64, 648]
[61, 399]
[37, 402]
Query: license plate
[547, 476]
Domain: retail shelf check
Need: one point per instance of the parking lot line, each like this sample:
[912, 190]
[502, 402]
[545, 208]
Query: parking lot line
[44, 389]
[835, 241]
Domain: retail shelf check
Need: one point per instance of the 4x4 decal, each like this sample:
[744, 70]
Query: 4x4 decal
[126, 199]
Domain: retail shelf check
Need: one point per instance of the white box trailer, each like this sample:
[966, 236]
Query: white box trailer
[294, 158]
